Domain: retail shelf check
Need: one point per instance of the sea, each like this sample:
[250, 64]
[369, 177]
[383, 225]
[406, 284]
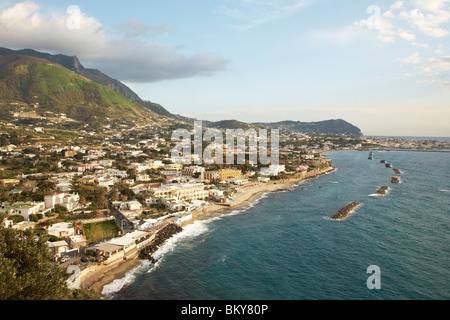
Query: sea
[285, 246]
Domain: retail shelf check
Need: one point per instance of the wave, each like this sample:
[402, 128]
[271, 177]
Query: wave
[199, 228]
[112, 288]
[190, 231]
[444, 190]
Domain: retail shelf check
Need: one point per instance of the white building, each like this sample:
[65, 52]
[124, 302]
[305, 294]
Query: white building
[61, 230]
[70, 201]
[142, 177]
[58, 247]
[272, 170]
[128, 205]
[24, 209]
[138, 167]
[117, 173]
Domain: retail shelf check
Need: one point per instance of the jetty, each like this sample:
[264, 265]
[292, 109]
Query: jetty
[162, 235]
[382, 191]
[345, 211]
[395, 179]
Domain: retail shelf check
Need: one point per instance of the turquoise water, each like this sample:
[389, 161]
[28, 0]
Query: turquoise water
[286, 247]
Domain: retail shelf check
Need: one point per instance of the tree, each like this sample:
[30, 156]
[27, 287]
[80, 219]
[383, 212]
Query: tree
[26, 272]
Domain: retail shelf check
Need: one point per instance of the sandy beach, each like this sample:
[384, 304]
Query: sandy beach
[96, 280]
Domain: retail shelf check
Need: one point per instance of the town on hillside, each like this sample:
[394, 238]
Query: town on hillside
[102, 191]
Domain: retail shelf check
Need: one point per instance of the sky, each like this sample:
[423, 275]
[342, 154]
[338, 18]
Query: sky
[384, 66]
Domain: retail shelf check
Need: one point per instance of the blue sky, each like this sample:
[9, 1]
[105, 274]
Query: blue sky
[381, 65]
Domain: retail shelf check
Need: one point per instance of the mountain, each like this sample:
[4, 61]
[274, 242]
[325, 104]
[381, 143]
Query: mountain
[227, 124]
[50, 87]
[337, 127]
[72, 63]
[94, 88]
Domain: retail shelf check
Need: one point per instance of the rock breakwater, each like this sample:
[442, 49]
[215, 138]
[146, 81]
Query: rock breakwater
[345, 211]
[395, 179]
[162, 235]
[382, 191]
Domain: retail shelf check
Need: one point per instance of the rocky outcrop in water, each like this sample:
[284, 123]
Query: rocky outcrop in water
[162, 235]
[397, 171]
[345, 211]
[382, 191]
[395, 179]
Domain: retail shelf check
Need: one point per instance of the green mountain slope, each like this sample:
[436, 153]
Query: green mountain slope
[25, 79]
[72, 63]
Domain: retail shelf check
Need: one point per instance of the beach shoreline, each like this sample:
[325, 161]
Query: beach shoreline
[96, 280]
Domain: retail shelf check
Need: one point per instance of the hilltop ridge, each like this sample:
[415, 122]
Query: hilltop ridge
[85, 93]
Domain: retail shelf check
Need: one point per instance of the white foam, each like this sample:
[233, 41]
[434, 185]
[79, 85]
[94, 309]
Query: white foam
[196, 229]
[190, 231]
[111, 289]
[444, 190]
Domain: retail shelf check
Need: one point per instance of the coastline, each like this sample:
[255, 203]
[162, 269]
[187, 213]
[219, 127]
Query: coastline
[96, 280]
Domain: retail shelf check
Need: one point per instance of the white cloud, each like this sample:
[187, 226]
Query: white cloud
[429, 23]
[438, 64]
[397, 5]
[421, 45]
[342, 36]
[431, 5]
[421, 23]
[440, 50]
[22, 26]
[412, 59]
[128, 57]
[253, 13]
[406, 35]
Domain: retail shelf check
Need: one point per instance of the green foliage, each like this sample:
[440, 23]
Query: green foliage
[16, 218]
[61, 211]
[96, 232]
[94, 194]
[60, 90]
[25, 271]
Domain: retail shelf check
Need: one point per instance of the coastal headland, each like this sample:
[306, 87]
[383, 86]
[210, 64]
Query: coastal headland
[95, 281]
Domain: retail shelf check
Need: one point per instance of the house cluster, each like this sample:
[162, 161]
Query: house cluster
[117, 249]
[27, 209]
[72, 241]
